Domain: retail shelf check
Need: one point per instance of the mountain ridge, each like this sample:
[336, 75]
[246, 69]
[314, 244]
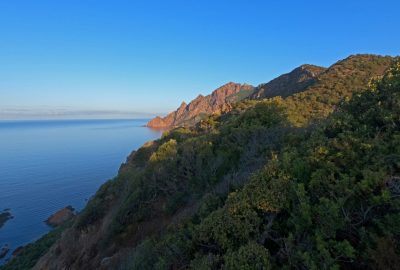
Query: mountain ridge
[216, 102]
[303, 78]
[221, 100]
[290, 83]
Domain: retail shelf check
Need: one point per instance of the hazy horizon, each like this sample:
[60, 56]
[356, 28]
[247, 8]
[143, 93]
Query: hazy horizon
[66, 113]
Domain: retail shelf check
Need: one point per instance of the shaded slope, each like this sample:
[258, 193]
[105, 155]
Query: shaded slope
[288, 84]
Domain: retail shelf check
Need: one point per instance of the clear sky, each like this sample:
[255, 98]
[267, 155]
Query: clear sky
[113, 58]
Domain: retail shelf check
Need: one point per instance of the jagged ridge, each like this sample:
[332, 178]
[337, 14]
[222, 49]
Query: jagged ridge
[218, 101]
[222, 99]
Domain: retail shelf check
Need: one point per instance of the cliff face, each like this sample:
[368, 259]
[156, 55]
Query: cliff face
[288, 84]
[218, 101]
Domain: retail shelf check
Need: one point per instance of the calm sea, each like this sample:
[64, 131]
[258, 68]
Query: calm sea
[47, 165]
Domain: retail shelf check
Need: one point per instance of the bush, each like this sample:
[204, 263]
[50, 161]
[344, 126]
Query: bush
[251, 256]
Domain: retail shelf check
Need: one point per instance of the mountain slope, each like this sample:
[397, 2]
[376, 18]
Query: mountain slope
[329, 199]
[300, 86]
[218, 101]
[338, 83]
[288, 84]
[251, 182]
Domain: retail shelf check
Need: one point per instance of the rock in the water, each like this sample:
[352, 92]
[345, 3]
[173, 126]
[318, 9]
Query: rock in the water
[17, 251]
[4, 216]
[4, 250]
[61, 216]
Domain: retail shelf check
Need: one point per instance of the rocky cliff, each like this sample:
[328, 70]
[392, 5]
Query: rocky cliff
[218, 101]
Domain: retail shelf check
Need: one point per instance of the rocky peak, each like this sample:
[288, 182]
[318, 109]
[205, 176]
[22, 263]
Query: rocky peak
[226, 90]
[182, 107]
[217, 101]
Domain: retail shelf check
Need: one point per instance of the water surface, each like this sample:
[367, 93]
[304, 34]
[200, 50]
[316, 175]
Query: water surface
[47, 165]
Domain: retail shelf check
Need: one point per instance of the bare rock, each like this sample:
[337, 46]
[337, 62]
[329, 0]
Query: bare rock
[217, 102]
[4, 250]
[17, 251]
[157, 122]
[61, 216]
[5, 215]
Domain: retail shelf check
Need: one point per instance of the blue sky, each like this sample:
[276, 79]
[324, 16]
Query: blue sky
[113, 58]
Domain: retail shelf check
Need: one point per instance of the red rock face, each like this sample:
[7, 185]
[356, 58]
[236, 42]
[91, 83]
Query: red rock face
[218, 101]
[157, 122]
[61, 216]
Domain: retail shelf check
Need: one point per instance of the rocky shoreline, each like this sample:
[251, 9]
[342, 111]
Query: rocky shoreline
[58, 218]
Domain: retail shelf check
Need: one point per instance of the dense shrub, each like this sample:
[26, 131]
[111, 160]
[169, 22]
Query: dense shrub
[329, 199]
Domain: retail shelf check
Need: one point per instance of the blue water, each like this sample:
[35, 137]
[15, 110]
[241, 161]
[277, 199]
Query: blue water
[47, 165]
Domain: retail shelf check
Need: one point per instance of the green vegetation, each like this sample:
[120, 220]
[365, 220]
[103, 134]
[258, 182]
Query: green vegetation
[329, 199]
[239, 96]
[277, 183]
[337, 83]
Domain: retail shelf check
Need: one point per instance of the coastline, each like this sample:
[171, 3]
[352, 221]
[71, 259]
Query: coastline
[102, 147]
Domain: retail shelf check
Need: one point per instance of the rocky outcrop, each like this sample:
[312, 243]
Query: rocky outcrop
[4, 250]
[17, 251]
[157, 122]
[290, 83]
[61, 216]
[5, 215]
[218, 101]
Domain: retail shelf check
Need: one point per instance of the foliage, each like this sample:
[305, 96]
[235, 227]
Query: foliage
[330, 198]
[251, 256]
[338, 83]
